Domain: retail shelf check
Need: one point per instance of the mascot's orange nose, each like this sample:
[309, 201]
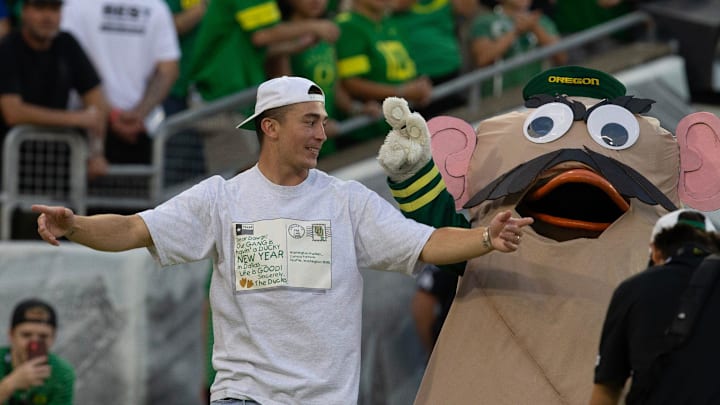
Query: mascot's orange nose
[575, 176]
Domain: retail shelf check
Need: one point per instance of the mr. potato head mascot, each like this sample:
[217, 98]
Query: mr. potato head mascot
[595, 175]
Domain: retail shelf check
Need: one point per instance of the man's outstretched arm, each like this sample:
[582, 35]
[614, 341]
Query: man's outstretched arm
[452, 245]
[107, 232]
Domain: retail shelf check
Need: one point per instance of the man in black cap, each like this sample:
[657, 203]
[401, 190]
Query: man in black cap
[30, 374]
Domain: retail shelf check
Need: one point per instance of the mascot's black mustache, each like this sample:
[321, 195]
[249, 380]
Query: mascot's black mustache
[626, 180]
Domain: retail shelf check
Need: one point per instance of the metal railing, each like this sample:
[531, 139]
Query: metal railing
[182, 121]
[42, 166]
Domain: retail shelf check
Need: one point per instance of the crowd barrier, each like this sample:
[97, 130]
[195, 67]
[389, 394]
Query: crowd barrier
[42, 166]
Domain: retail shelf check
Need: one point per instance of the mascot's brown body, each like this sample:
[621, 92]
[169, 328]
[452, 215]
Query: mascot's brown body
[595, 174]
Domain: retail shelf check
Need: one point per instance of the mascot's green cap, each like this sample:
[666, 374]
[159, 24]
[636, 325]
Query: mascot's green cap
[575, 81]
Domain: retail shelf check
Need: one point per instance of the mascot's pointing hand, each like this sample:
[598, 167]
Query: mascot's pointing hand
[407, 146]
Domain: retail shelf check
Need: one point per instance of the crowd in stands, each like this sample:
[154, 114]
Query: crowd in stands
[115, 71]
[151, 57]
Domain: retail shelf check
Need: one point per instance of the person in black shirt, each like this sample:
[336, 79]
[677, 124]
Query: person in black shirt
[40, 67]
[641, 311]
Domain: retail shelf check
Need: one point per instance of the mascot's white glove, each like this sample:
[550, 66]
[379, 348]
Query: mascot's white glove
[407, 146]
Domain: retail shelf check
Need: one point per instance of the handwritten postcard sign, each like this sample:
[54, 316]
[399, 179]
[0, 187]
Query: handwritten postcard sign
[283, 253]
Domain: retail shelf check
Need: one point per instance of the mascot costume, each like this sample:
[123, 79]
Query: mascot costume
[595, 175]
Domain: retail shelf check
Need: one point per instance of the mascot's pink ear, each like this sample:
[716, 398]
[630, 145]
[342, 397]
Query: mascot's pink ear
[698, 136]
[452, 142]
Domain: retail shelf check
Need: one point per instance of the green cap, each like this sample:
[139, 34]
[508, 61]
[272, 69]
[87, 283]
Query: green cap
[575, 81]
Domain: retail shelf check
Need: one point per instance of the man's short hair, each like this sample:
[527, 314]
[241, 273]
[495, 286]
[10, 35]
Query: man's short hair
[33, 310]
[684, 215]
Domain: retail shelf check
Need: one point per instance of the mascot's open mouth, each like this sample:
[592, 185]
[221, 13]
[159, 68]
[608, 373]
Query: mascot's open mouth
[572, 193]
[574, 203]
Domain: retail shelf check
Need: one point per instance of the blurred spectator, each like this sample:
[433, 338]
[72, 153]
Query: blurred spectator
[232, 44]
[431, 35]
[29, 373]
[187, 15]
[184, 151]
[510, 30]
[573, 16]
[319, 64]
[431, 303]
[373, 62]
[4, 19]
[40, 67]
[134, 46]
[233, 53]
[641, 313]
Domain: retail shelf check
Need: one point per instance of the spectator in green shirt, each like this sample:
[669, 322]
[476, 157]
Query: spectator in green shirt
[512, 28]
[374, 63]
[233, 40]
[30, 374]
[573, 16]
[430, 32]
[187, 15]
[319, 64]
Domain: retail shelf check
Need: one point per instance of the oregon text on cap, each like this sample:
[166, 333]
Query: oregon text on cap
[592, 81]
[574, 81]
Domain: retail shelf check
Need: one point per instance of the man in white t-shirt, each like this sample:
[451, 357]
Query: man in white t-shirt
[134, 47]
[287, 242]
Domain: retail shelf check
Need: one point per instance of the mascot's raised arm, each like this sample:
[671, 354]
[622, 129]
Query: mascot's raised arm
[595, 174]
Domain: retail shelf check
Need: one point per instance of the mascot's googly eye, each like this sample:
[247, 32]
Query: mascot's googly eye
[613, 127]
[548, 122]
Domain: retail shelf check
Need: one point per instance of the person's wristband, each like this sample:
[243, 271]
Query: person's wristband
[486, 241]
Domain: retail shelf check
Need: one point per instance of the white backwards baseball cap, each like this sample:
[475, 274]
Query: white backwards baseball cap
[282, 91]
[671, 219]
